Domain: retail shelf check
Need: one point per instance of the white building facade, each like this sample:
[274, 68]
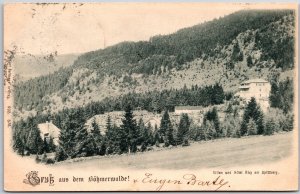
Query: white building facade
[48, 130]
[259, 89]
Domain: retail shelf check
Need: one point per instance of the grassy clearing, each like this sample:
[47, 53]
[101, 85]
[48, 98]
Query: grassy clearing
[217, 153]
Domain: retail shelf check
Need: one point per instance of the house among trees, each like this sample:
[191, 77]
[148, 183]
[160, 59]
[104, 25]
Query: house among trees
[259, 89]
[49, 130]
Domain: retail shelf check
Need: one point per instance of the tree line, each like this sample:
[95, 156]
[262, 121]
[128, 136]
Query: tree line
[76, 140]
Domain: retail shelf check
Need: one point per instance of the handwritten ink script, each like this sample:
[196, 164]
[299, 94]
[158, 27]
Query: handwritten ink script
[188, 179]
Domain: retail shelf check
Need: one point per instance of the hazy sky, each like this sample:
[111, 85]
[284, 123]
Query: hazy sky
[77, 28]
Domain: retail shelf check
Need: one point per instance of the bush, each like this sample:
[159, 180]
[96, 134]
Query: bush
[251, 127]
[270, 128]
[185, 142]
[60, 155]
[50, 161]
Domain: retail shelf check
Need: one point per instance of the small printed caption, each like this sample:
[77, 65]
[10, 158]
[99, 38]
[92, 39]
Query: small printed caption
[246, 172]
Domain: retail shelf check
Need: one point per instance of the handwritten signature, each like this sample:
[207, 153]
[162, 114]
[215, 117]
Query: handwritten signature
[187, 179]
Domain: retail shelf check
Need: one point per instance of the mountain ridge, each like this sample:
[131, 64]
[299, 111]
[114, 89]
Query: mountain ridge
[255, 44]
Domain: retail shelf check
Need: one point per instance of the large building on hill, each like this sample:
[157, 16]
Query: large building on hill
[259, 89]
[48, 130]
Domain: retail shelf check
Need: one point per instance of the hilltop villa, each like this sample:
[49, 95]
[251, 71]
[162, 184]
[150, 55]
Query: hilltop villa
[48, 130]
[257, 88]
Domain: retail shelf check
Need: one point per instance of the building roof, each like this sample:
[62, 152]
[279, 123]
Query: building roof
[255, 81]
[244, 87]
[188, 107]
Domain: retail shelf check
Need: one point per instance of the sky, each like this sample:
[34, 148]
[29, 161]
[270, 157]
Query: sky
[77, 28]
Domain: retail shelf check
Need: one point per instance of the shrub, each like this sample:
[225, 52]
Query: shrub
[50, 161]
[270, 127]
[251, 127]
[185, 142]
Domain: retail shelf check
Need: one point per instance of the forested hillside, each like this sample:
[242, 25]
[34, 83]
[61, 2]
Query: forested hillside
[224, 51]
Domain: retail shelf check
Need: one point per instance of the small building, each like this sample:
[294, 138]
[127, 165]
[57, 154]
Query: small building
[188, 109]
[48, 130]
[259, 89]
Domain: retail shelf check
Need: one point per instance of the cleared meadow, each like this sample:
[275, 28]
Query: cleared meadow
[217, 153]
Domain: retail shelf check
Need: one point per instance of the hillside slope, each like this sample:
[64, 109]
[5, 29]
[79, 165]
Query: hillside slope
[228, 50]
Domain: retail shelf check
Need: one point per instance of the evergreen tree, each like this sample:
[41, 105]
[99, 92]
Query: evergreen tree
[202, 134]
[156, 137]
[83, 143]
[212, 115]
[108, 123]
[19, 142]
[253, 111]
[251, 127]
[141, 128]
[210, 130]
[249, 61]
[164, 124]
[130, 129]
[169, 138]
[72, 124]
[183, 128]
[270, 127]
[166, 129]
[60, 154]
[35, 143]
[146, 136]
[95, 138]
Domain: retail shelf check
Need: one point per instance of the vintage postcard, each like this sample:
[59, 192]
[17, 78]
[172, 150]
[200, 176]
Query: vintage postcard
[150, 97]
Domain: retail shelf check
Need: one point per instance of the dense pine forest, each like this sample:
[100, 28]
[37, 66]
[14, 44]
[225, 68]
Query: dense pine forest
[133, 136]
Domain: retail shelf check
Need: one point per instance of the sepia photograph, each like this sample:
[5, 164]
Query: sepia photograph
[150, 97]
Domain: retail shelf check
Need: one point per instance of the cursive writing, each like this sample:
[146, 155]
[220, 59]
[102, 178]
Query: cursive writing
[188, 179]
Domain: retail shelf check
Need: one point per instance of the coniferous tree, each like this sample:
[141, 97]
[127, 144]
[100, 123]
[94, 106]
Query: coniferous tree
[183, 128]
[35, 143]
[270, 127]
[156, 136]
[166, 129]
[251, 127]
[83, 143]
[210, 130]
[201, 134]
[130, 129]
[141, 128]
[253, 111]
[164, 124]
[249, 61]
[95, 138]
[212, 115]
[72, 124]
[19, 142]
